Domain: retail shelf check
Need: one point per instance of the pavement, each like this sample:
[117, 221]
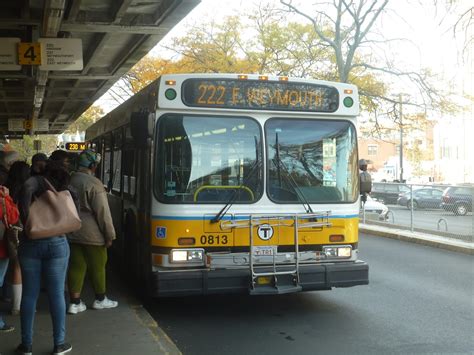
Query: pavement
[127, 329]
[459, 246]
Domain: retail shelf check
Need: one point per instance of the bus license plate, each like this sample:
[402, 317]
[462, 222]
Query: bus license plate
[263, 251]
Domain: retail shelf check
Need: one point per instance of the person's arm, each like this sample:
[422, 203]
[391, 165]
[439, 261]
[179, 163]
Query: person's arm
[100, 206]
[30, 187]
[75, 197]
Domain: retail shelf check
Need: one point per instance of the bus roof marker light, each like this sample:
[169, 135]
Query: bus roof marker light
[170, 82]
[283, 78]
[243, 77]
[263, 77]
[348, 91]
[170, 94]
[348, 101]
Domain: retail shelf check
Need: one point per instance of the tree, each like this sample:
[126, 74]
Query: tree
[463, 23]
[25, 146]
[89, 117]
[272, 45]
[346, 27]
[345, 30]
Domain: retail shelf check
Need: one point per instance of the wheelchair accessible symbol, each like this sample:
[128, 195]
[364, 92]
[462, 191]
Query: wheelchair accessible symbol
[265, 232]
[161, 232]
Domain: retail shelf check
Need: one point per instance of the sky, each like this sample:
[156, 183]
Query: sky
[428, 42]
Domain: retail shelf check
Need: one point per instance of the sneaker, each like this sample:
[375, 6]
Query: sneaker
[24, 349]
[76, 308]
[105, 303]
[7, 328]
[62, 349]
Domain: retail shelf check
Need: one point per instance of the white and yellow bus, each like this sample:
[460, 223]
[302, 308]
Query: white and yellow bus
[226, 183]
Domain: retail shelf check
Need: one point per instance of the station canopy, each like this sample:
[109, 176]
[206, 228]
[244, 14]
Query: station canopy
[57, 57]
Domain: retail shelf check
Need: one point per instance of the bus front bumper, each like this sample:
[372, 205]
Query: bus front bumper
[225, 281]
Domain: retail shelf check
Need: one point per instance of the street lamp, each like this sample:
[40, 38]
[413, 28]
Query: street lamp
[401, 136]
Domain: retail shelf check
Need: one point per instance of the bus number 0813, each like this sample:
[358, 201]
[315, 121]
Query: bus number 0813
[214, 239]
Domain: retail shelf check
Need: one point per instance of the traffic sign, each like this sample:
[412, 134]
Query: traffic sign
[41, 124]
[29, 53]
[28, 124]
[61, 54]
[16, 125]
[9, 54]
[76, 146]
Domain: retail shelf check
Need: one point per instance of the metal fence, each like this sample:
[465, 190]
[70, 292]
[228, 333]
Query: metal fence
[443, 210]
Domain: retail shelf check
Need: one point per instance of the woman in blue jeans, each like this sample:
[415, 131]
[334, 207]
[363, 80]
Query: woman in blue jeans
[43, 259]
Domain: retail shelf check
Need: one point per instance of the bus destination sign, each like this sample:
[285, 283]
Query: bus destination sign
[259, 95]
[75, 146]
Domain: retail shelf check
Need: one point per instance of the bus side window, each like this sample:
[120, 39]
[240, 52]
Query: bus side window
[107, 161]
[128, 173]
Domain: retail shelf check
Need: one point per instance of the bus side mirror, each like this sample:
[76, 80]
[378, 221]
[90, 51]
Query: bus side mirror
[141, 126]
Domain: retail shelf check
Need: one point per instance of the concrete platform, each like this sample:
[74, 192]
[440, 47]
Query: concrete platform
[127, 329]
[420, 238]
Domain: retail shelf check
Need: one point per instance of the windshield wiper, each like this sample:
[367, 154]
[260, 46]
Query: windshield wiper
[278, 162]
[232, 199]
[294, 185]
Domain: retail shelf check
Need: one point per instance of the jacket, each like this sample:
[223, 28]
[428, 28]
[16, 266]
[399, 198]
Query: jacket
[12, 216]
[97, 226]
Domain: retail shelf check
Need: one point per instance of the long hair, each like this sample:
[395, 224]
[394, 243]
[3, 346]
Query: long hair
[17, 175]
[57, 174]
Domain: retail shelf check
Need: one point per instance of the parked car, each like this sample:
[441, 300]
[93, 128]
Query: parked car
[458, 199]
[422, 198]
[387, 193]
[372, 206]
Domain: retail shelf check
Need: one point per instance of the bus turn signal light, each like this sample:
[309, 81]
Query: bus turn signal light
[334, 238]
[186, 241]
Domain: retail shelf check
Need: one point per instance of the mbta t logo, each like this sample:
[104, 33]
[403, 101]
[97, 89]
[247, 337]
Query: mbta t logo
[265, 232]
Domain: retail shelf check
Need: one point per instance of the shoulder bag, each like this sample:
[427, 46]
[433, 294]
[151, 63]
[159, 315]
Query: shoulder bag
[52, 214]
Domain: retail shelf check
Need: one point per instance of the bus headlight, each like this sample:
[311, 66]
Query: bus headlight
[338, 251]
[192, 256]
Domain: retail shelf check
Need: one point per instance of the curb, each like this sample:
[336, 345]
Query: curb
[164, 342]
[419, 238]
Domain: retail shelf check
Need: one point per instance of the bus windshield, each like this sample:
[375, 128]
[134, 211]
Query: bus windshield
[316, 159]
[208, 159]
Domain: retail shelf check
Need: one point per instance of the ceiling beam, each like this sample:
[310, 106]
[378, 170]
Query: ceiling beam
[94, 51]
[105, 28]
[73, 10]
[120, 10]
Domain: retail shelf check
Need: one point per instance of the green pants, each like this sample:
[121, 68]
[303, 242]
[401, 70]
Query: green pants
[90, 259]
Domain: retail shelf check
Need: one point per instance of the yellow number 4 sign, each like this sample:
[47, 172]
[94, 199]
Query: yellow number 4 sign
[28, 124]
[29, 53]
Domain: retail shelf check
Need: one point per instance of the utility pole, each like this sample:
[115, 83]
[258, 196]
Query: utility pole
[401, 136]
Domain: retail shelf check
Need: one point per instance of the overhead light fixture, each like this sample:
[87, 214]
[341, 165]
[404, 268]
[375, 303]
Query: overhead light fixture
[41, 77]
[52, 17]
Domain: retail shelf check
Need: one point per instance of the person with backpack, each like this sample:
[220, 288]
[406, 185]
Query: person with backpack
[8, 216]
